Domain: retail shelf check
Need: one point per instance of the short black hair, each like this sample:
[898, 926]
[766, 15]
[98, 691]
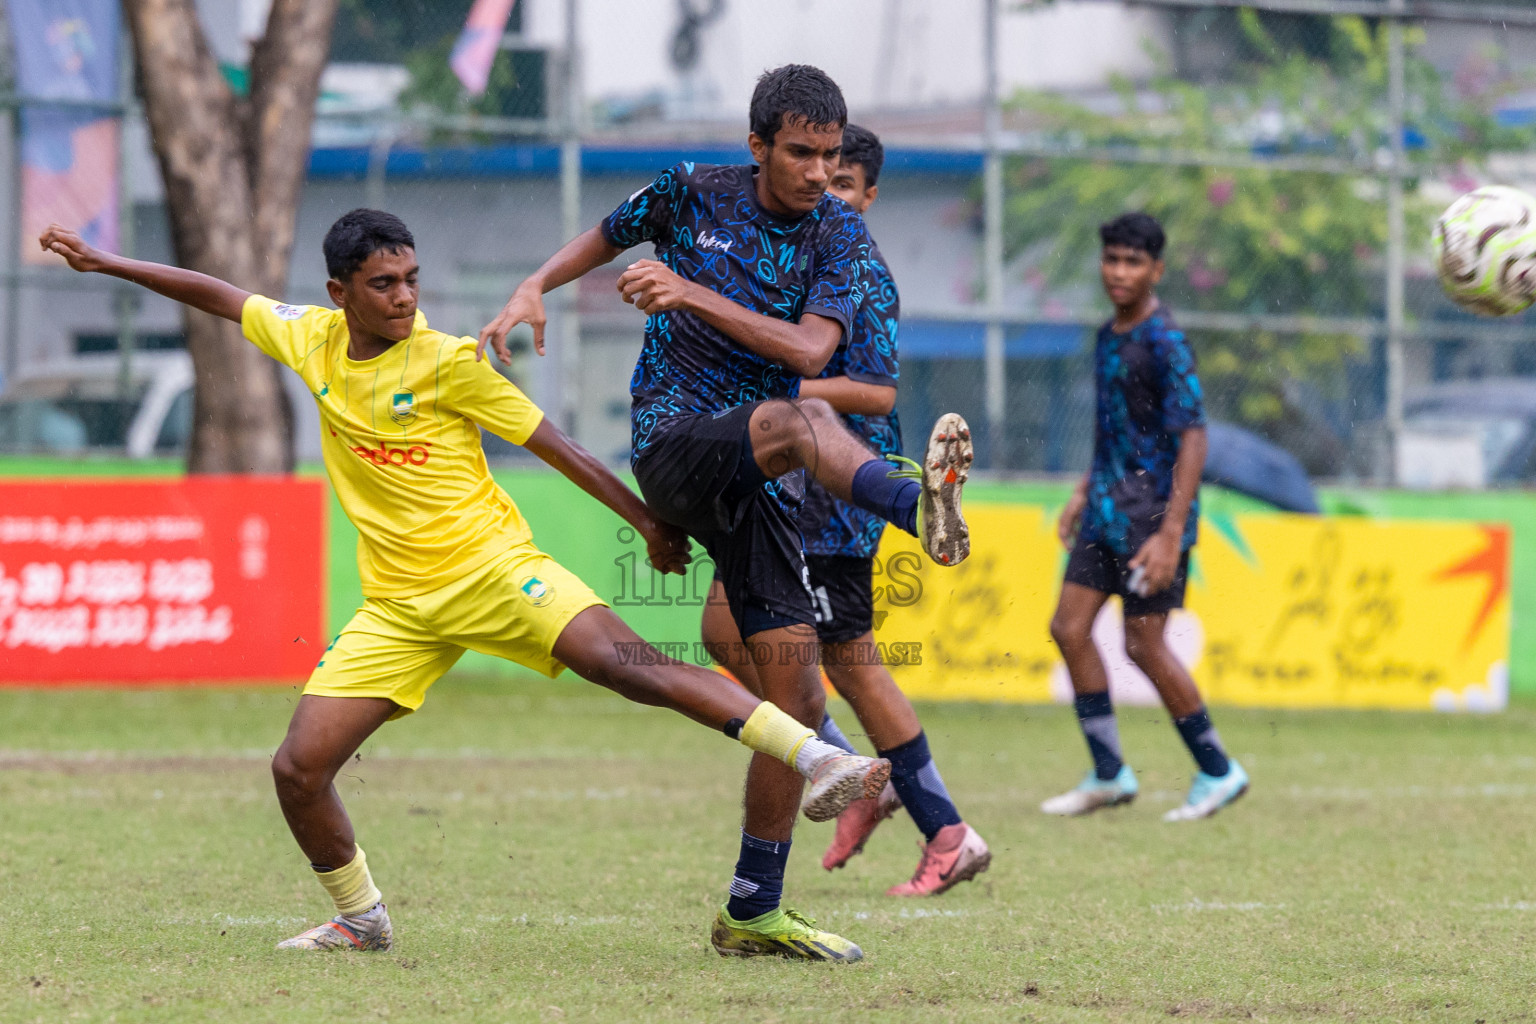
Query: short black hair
[1136, 231]
[795, 90]
[862, 147]
[359, 234]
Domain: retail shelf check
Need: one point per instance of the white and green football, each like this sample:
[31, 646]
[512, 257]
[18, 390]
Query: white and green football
[1485, 251]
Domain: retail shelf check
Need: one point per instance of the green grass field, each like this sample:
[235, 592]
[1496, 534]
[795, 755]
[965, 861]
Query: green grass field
[551, 853]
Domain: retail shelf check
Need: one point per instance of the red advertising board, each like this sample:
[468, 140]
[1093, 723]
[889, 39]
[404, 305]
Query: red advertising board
[208, 578]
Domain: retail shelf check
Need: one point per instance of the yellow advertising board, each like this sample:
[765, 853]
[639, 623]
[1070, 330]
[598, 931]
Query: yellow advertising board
[1282, 611]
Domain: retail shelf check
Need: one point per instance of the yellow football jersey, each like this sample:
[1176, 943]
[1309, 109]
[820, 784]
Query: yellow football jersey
[401, 443]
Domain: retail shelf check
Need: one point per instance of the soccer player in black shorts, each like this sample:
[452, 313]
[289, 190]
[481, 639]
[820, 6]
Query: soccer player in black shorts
[1130, 524]
[756, 283]
[840, 544]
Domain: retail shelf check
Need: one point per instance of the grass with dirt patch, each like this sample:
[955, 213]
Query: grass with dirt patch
[551, 853]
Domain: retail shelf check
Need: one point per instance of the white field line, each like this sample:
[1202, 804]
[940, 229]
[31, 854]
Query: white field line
[1207, 906]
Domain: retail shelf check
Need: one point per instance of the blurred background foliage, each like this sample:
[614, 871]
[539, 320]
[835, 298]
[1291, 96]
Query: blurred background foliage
[1248, 239]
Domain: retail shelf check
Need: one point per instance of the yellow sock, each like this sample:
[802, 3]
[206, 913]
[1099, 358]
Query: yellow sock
[772, 732]
[352, 886]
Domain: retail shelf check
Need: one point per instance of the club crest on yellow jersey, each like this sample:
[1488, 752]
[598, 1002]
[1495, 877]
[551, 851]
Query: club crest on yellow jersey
[402, 406]
[537, 591]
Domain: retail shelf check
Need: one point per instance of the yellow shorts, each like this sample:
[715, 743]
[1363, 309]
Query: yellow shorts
[513, 607]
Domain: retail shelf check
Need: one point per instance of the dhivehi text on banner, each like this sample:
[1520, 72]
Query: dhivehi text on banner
[201, 579]
[1283, 611]
[67, 53]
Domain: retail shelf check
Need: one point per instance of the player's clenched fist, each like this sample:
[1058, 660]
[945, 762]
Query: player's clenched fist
[667, 548]
[1071, 516]
[653, 287]
[69, 244]
[526, 306]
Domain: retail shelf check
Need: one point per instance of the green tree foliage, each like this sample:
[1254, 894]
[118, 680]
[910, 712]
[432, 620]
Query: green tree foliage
[420, 34]
[433, 83]
[389, 31]
[1250, 240]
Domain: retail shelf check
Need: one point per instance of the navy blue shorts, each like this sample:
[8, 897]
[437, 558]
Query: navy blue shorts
[843, 588]
[697, 476]
[1096, 567]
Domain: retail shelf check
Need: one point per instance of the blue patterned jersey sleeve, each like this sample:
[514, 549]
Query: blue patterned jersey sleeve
[871, 354]
[1183, 406]
[837, 282]
[648, 214]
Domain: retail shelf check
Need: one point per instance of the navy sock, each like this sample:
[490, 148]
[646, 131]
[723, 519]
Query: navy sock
[917, 782]
[894, 500]
[1096, 716]
[1201, 739]
[830, 733]
[758, 884]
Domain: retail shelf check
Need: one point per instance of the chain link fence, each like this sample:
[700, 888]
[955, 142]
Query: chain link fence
[1265, 142]
[1269, 144]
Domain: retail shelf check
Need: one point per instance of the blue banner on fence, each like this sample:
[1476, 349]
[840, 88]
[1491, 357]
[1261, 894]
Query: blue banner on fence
[67, 59]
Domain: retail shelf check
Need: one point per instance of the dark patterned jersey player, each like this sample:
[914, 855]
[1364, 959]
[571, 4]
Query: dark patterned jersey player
[709, 225]
[841, 541]
[1146, 396]
[756, 281]
[1129, 526]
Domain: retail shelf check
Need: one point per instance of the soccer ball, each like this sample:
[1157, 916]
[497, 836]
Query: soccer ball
[1485, 251]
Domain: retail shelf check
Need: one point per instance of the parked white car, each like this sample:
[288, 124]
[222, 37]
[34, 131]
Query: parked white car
[80, 405]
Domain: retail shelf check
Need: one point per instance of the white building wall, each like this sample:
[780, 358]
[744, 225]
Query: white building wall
[883, 53]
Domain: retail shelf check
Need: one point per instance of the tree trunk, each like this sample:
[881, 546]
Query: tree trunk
[233, 170]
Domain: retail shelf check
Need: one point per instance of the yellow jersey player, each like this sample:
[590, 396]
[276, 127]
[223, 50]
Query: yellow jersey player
[446, 560]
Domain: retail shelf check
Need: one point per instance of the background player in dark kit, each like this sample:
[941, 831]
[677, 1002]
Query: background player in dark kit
[755, 286]
[1135, 516]
[840, 542]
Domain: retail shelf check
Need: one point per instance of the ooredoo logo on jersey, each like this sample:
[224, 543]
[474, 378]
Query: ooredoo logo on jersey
[392, 455]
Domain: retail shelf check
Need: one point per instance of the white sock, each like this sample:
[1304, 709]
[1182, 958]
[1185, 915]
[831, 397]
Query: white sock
[814, 753]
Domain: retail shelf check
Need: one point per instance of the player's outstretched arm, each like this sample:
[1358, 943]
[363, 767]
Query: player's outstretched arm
[851, 397]
[803, 348]
[188, 287]
[666, 545]
[587, 251]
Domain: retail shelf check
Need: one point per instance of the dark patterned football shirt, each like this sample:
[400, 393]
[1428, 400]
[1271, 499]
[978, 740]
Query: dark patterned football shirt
[709, 227]
[868, 354]
[1147, 396]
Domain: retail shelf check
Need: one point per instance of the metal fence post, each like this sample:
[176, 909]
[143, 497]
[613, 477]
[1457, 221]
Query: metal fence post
[1396, 235]
[125, 299]
[992, 252]
[570, 224]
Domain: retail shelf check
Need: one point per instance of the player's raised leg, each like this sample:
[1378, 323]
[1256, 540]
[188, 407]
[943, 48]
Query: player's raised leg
[922, 500]
[594, 646]
[323, 733]
[1110, 781]
[1219, 779]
